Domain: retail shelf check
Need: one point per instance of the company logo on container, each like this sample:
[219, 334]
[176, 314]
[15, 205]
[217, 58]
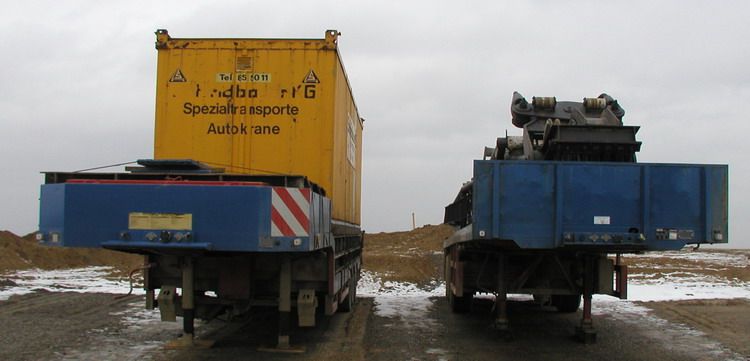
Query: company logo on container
[290, 212]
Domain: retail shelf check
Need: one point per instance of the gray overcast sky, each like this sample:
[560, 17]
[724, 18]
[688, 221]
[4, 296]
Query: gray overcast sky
[434, 80]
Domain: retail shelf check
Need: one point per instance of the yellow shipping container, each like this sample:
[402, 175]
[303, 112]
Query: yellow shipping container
[262, 106]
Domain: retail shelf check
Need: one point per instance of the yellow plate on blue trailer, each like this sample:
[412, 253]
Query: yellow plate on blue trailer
[160, 221]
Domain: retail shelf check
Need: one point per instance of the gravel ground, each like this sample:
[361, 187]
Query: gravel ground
[538, 334]
[80, 326]
[75, 326]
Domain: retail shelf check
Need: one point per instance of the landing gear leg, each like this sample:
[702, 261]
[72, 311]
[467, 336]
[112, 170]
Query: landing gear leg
[501, 304]
[188, 298]
[285, 309]
[621, 278]
[285, 302]
[585, 332]
[188, 310]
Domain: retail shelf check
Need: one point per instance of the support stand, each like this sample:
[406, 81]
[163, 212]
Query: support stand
[585, 332]
[621, 278]
[501, 305]
[188, 311]
[285, 308]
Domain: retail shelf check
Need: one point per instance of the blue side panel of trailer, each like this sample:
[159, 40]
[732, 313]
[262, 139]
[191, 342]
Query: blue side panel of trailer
[551, 204]
[222, 218]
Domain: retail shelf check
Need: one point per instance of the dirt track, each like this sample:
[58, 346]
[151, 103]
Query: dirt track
[70, 326]
[727, 321]
[538, 334]
[75, 326]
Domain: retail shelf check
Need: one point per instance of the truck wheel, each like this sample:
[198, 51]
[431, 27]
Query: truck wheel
[460, 304]
[351, 298]
[566, 303]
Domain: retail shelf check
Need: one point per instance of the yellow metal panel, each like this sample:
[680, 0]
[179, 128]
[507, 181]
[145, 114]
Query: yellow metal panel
[347, 154]
[262, 106]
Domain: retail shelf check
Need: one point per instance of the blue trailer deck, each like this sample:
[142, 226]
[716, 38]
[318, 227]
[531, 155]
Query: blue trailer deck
[142, 216]
[598, 205]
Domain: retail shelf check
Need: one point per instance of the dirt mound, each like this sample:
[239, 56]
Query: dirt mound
[414, 256]
[17, 253]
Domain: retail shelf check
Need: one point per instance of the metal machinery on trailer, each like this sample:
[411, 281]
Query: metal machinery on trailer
[544, 210]
[253, 197]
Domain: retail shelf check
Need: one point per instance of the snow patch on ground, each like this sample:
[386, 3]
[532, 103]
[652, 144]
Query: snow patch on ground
[685, 289]
[402, 300]
[88, 280]
[143, 327]
[139, 324]
[439, 353]
[137, 317]
[681, 281]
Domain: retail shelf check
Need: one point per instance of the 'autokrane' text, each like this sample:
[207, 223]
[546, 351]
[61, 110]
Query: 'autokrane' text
[242, 129]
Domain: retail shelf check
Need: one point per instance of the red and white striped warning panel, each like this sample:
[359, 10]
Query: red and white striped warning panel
[290, 212]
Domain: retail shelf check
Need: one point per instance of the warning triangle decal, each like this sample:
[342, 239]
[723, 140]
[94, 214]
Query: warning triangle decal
[177, 77]
[311, 78]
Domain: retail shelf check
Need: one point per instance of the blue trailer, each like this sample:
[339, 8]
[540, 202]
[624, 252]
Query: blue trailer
[214, 243]
[544, 211]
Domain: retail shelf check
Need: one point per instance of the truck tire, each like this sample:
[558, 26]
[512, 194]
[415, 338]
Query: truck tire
[566, 303]
[460, 304]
